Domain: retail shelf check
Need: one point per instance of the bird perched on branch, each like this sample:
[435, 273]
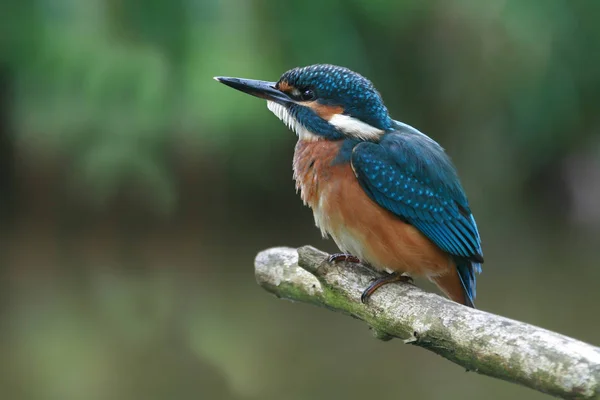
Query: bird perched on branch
[386, 193]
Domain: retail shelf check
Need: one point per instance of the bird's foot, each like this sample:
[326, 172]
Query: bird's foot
[337, 257]
[379, 282]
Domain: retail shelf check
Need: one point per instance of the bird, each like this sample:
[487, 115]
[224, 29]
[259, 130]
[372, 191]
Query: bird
[386, 193]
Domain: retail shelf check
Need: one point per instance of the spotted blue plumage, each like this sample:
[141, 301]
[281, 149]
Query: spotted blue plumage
[339, 86]
[410, 175]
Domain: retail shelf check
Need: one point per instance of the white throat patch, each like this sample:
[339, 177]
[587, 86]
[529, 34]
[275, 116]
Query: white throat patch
[350, 126]
[283, 114]
[355, 127]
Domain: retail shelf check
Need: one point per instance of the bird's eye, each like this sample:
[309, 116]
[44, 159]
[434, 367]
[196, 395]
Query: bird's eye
[307, 95]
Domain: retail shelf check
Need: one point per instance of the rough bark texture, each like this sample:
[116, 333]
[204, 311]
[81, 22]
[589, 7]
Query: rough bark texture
[476, 340]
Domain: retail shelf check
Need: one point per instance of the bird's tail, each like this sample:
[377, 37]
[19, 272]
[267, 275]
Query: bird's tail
[466, 272]
[459, 283]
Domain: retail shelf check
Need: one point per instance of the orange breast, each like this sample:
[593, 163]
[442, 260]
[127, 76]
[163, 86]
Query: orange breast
[357, 224]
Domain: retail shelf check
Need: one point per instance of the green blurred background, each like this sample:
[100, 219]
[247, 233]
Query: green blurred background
[135, 191]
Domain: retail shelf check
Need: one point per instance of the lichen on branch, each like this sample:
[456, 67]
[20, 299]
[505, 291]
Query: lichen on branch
[476, 340]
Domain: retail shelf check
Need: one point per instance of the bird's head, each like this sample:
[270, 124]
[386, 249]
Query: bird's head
[322, 102]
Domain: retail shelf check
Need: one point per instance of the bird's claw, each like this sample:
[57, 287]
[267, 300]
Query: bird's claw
[406, 279]
[379, 282]
[337, 257]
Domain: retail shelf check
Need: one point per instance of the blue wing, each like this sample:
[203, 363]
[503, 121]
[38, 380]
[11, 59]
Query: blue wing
[410, 175]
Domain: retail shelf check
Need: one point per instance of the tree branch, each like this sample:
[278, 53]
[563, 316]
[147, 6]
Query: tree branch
[476, 340]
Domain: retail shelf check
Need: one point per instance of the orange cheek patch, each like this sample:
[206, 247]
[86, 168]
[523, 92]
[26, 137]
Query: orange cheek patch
[284, 86]
[324, 111]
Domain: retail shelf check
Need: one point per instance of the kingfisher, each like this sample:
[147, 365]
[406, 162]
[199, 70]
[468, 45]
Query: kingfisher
[387, 194]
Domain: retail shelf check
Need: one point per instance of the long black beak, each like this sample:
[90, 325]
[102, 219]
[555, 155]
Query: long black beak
[262, 89]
